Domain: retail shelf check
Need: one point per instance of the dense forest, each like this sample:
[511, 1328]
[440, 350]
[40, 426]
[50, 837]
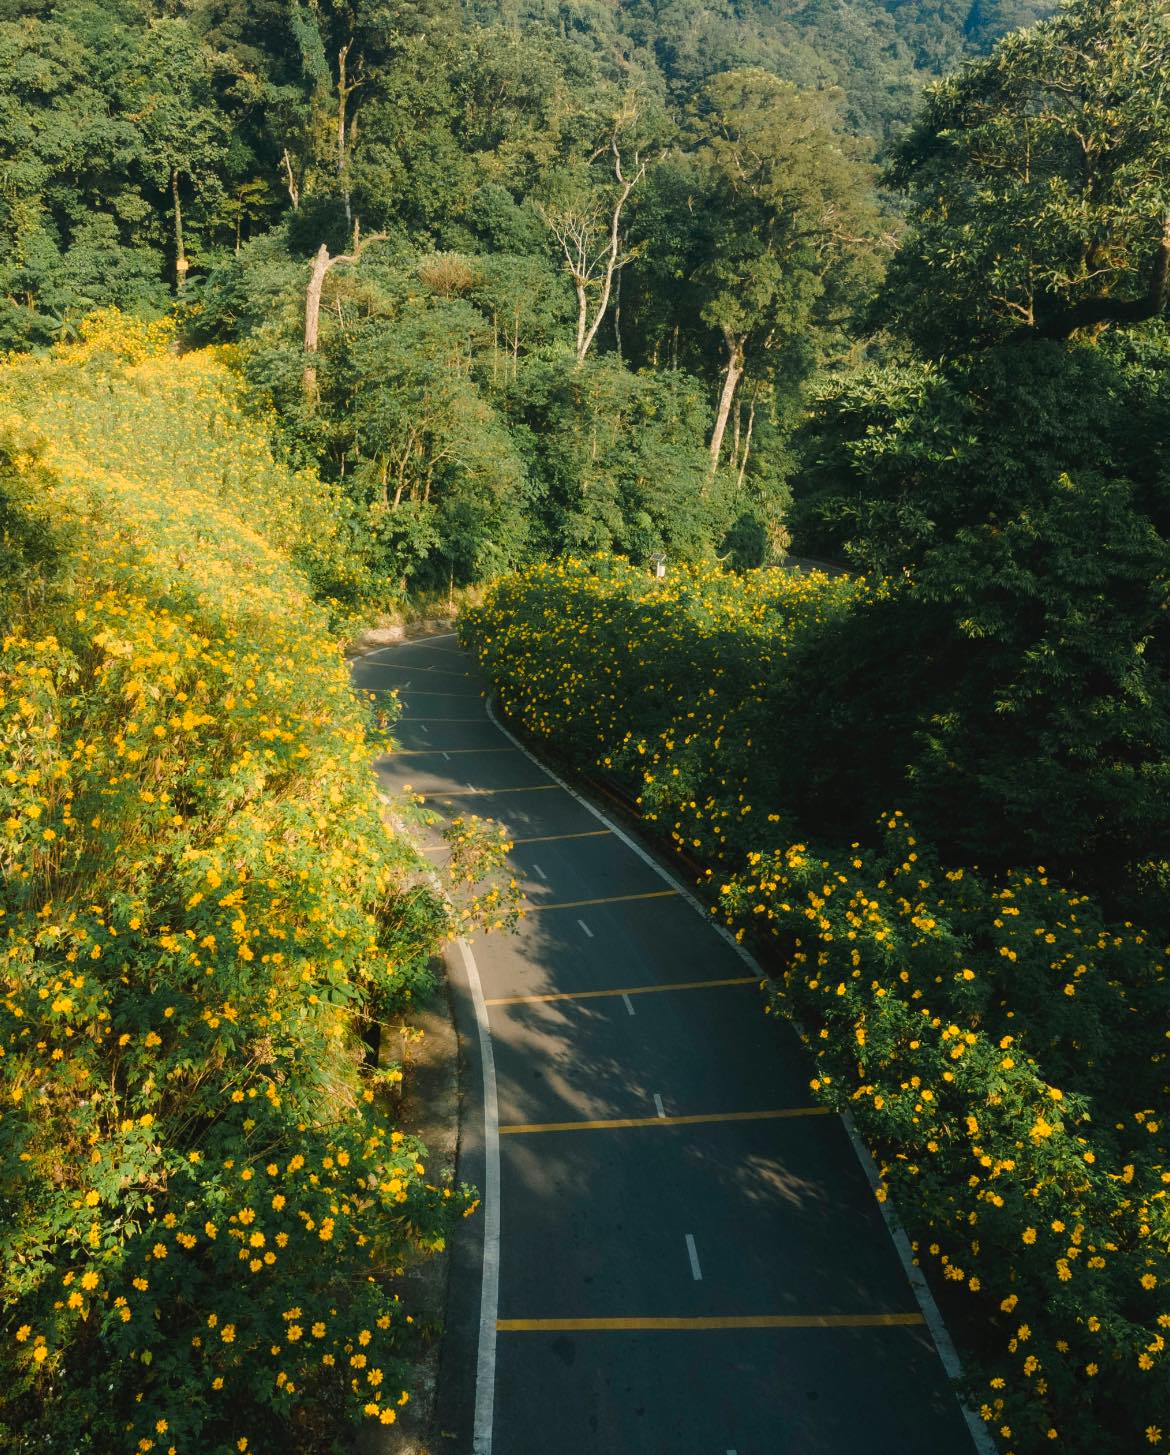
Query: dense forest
[525, 278]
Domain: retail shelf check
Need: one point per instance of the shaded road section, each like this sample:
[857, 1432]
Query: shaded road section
[691, 1259]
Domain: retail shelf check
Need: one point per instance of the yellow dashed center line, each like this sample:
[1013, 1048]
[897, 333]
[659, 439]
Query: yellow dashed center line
[447, 752]
[558, 838]
[613, 899]
[617, 1123]
[420, 671]
[734, 1321]
[487, 792]
[626, 990]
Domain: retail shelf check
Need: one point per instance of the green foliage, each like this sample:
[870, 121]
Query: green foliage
[616, 458]
[1000, 1041]
[1036, 182]
[205, 1207]
[1013, 690]
[196, 158]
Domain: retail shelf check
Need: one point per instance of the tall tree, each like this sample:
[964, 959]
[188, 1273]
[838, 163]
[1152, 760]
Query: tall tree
[184, 130]
[588, 232]
[789, 226]
[1037, 182]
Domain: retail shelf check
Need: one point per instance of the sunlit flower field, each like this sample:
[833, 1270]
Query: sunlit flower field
[203, 1200]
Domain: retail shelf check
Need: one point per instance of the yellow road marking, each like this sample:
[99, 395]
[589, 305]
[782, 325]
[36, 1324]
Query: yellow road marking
[556, 838]
[483, 792]
[418, 692]
[515, 1128]
[449, 752]
[613, 899]
[627, 990]
[430, 671]
[745, 1321]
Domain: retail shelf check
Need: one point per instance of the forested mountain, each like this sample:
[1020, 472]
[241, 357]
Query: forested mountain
[579, 259]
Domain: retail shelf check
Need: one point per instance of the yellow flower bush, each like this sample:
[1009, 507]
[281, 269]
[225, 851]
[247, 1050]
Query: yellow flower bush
[1002, 1046]
[202, 1204]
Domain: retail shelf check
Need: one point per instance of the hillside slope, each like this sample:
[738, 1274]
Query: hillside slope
[201, 1199]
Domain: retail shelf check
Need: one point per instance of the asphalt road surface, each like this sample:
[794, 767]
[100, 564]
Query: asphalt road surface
[691, 1260]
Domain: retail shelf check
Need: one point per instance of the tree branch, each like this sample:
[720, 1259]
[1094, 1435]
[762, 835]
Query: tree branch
[1092, 312]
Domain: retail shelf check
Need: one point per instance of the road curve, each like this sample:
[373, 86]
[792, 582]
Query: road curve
[691, 1259]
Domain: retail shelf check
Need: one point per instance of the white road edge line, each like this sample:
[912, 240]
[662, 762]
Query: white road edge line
[948, 1356]
[629, 1004]
[586, 928]
[693, 1255]
[489, 1298]
[394, 646]
[661, 1110]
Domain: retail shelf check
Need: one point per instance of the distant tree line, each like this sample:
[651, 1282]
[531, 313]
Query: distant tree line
[522, 278]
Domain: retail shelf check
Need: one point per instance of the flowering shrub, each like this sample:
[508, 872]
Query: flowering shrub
[1004, 1052]
[1003, 1048]
[203, 1206]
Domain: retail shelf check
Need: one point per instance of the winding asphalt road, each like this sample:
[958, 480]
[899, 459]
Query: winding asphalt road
[691, 1260]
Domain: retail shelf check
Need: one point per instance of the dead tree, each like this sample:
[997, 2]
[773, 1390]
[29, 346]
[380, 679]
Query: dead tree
[322, 265]
[589, 234]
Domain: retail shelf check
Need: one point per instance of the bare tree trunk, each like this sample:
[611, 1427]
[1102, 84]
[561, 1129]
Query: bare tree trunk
[613, 257]
[181, 264]
[735, 347]
[321, 266]
[342, 100]
[747, 444]
[290, 181]
[617, 314]
[582, 319]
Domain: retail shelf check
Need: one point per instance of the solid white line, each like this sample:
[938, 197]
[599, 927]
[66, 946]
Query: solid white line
[660, 1109]
[396, 646]
[693, 1254]
[947, 1352]
[948, 1357]
[541, 872]
[586, 928]
[489, 1298]
[629, 1004]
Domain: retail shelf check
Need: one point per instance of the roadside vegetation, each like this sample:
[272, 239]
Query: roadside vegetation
[935, 795]
[204, 1200]
[1000, 1040]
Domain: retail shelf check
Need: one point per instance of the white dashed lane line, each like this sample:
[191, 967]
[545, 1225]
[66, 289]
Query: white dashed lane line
[693, 1255]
